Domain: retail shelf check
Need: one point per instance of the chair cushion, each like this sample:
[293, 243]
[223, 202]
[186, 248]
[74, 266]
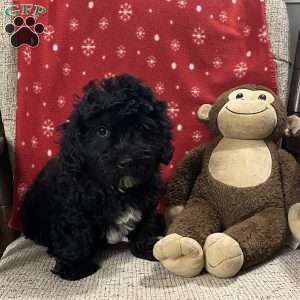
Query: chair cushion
[25, 274]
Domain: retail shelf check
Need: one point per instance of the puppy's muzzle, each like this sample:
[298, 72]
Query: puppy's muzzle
[126, 183]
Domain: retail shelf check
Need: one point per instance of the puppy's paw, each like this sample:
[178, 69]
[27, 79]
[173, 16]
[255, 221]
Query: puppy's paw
[74, 271]
[223, 255]
[180, 255]
[143, 248]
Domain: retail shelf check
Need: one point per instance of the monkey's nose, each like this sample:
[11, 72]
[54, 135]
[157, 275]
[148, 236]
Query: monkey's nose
[125, 163]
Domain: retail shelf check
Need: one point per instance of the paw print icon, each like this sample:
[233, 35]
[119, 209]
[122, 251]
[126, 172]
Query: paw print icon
[24, 31]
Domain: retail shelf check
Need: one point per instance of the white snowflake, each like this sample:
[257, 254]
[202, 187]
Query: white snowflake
[103, 23]
[199, 36]
[217, 62]
[34, 142]
[175, 45]
[240, 70]
[173, 110]
[22, 188]
[48, 128]
[121, 51]
[109, 75]
[182, 3]
[140, 33]
[66, 69]
[48, 33]
[27, 54]
[61, 101]
[88, 47]
[159, 88]
[37, 87]
[197, 136]
[74, 24]
[263, 34]
[246, 30]
[223, 16]
[125, 12]
[195, 91]
[151, 61]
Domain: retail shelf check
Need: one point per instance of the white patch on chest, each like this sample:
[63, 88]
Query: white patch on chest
[241, 163]
[124, 224]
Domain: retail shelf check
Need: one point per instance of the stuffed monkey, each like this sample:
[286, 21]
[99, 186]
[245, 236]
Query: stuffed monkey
[232, 203]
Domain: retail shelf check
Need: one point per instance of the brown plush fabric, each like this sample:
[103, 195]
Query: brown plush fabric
[256, 217]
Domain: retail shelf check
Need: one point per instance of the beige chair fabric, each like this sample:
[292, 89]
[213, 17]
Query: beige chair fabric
[25, 274]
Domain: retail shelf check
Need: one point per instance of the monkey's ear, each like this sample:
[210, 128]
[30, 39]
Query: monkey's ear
[203, 112]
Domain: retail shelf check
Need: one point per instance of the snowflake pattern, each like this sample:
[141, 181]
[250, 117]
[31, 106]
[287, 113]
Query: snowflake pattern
[34, 142]
[22, 188]
[61, 101]
[125, 12]
[175, 45]
[217, 62]
[263, 34]
[223, 16]
[173, 109]
[197, 136]
[159, 88]
[109, 75]
[103, 23]
[88, 47]
[48, 33]
[151, 61]
[246, 30]
[182, 3]
[121, 51]
[48, 128]
[27, 54]
[240, 70]
[74, 24]
[195, 91]
[199, 36]
[37, 87]
[140, 33]
[66, 69]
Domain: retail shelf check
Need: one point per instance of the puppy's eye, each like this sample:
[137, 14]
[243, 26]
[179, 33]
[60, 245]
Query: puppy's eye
[103, 131]
[239, 96]
[262, 97]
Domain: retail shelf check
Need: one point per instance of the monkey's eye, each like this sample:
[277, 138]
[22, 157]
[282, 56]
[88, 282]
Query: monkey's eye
[262, 97]
[239, 96]
[102, 131]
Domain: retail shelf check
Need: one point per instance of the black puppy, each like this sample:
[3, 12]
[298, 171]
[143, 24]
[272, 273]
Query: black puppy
[103, 187]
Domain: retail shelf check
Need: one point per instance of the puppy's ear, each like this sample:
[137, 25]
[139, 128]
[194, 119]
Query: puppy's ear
[167, 148]
[71, 149]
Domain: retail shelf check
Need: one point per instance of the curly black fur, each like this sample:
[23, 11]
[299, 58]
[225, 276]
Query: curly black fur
[117, 129]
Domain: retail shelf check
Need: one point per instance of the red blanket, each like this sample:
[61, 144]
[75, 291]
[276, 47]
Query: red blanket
[189, 51]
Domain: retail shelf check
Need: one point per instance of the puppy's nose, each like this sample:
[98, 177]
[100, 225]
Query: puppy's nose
[126, 162]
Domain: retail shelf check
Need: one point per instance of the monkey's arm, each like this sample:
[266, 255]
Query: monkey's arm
[182, 181]
[290, 171]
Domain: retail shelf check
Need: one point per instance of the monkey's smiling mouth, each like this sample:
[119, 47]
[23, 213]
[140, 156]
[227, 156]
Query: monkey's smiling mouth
[255, 113]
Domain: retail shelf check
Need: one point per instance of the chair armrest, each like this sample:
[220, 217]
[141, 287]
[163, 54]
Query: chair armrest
[6, 187]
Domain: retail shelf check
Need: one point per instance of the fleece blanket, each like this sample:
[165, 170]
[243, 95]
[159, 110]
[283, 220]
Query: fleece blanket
[188, 51]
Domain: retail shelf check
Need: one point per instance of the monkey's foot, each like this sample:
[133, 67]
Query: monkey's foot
[223, 255]
[180, 255]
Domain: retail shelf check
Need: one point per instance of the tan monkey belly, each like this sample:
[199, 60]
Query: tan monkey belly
[241, 163]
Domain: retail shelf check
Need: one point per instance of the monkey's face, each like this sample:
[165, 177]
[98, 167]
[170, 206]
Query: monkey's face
[248, 114]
